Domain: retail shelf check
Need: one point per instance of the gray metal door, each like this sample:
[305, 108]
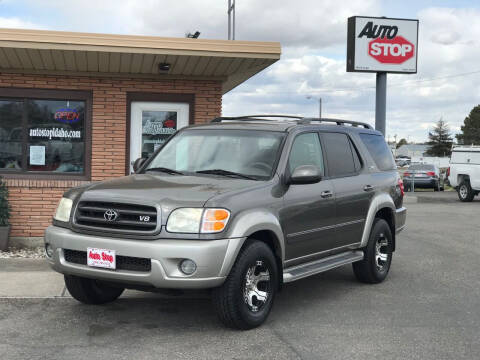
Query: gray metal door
[352, 203]
[308, 218]
[352, 186]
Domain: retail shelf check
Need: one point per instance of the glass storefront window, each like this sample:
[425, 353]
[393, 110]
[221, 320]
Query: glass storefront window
[42, 136]
[56, 135]
[11, 112]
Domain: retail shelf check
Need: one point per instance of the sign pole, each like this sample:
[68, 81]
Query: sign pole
[381, 102]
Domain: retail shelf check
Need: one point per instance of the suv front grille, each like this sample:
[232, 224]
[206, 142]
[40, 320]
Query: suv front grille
[116, 216]
[122, 262]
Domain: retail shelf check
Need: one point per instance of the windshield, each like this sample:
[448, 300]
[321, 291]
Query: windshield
[233, 152]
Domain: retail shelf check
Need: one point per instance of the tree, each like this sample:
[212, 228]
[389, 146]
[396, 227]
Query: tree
[402, 142]
[440, 140]
[471, 128]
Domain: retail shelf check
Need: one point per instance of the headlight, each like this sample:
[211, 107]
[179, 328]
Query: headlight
[197, 220]
[63, 210]
[185, 220]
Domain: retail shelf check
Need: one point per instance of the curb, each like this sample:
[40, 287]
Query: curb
[418, 198]
[409, 199]
[25, 242]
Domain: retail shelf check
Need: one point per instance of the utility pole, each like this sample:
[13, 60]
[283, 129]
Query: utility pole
[319, 105]
[231, 19]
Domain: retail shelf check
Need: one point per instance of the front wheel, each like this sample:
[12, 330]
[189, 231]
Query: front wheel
[246, 297]
[89, 291]
[378, 254]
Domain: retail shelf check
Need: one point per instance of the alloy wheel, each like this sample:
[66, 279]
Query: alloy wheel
[381, 252]
[257, 286]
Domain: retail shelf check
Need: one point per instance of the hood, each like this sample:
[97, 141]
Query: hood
[164, 190]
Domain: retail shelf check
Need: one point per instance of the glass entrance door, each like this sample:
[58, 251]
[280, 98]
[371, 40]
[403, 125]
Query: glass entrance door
[152, 123]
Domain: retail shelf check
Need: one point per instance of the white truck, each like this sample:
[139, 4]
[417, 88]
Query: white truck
[464, 171]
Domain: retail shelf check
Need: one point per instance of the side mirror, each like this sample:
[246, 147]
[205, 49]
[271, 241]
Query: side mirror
[305, 174]
[138, 164]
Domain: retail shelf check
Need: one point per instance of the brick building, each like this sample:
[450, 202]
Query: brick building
[78, 107]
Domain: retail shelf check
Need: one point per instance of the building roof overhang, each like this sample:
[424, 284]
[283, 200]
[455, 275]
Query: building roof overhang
[58, 52]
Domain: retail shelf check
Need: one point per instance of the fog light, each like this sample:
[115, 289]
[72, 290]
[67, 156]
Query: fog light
[188, 267]
[49, 250]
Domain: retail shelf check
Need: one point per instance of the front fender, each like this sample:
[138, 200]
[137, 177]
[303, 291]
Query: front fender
[245, 224]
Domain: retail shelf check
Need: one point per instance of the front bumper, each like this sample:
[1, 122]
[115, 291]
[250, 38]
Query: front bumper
[400, 219]
[214, 259]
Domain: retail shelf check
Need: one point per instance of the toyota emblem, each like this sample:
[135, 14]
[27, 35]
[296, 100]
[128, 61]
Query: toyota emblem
[110, 215]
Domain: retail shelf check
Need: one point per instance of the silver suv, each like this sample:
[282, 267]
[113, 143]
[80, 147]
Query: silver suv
[239, 206]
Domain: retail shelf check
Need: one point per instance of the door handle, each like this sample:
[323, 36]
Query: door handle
[326, 194]
[368, 188]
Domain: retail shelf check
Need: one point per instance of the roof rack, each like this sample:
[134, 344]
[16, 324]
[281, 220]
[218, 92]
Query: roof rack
[336, 121]
[298, 119]
[256, 117]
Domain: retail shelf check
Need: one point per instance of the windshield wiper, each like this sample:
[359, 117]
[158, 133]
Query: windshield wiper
[225, 173]
[165, 170]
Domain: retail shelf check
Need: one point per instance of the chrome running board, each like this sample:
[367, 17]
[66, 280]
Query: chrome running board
[315, 267]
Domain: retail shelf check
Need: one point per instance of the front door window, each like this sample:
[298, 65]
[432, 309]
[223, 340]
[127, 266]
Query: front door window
[157, 127]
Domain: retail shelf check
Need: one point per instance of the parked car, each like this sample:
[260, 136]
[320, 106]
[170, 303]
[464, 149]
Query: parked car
[402, 161]
[423, 176]
[464, 171]
[239, 206]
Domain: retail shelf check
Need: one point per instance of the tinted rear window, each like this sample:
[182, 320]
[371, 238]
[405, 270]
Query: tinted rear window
[378, 149]
[339, 154]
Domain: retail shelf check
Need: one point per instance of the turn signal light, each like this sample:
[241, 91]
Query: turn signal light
[214, 220]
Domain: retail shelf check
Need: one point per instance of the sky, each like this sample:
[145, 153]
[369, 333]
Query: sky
[313, 35]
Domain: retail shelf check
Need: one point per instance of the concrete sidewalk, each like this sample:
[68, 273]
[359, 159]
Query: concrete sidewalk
[33, 278]
[29, 278]
[433, 197]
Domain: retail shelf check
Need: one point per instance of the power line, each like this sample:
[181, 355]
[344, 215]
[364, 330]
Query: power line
[405, 83]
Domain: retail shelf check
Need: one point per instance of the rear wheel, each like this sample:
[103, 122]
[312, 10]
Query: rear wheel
[378, 254]
[465, 191]
[89, 291]
[246, 297]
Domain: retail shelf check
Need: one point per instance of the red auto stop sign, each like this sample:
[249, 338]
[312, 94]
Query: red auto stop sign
[391, 51]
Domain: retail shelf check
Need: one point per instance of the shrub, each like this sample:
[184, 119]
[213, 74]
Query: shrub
[4, 206]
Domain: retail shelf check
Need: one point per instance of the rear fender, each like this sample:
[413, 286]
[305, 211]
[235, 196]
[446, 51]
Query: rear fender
[378, 202]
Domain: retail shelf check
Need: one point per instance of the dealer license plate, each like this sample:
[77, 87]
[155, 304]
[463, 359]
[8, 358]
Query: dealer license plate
[101, 258]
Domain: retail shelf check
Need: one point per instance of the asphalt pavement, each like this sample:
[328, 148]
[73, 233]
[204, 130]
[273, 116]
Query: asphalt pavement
[428, 308]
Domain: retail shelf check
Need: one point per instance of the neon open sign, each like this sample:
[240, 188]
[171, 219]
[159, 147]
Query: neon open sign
[67, 115]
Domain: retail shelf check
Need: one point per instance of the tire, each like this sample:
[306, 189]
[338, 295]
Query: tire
[367, 270]
[465, 191]
[89, 291]
[231, 299]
